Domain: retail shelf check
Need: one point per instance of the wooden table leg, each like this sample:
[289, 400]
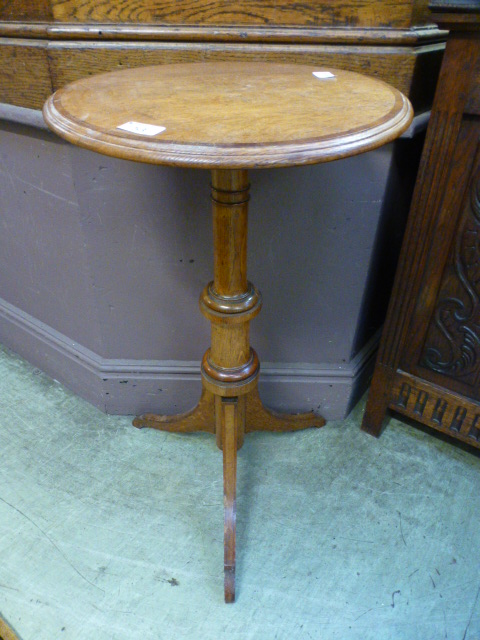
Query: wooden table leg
[200, 418]
[230, 405]
[229, 425]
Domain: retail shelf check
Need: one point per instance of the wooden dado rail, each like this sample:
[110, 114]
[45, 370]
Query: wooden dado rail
[45, 44]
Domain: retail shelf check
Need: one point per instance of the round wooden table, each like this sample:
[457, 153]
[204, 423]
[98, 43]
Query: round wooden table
[229, 117]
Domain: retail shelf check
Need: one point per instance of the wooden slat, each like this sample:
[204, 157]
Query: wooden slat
[208, 33]
[25, 70]
[71, 61]
[35, 10]
[24, 73]
[368, 13]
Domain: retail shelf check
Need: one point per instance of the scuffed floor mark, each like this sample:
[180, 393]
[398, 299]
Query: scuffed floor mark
[471, 614]
[393, 597]
[45, 534]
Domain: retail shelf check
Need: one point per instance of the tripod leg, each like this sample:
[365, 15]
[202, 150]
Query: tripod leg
[229, 424]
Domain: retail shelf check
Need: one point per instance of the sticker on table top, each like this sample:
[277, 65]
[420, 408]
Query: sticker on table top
[323, 75]
[141, 128]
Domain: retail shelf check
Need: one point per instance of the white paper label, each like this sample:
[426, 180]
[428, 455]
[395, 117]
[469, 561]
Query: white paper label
[323, 75]
[141, 129]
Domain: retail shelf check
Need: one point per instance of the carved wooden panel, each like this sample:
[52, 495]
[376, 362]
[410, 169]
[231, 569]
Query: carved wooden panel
[428, 365]
[452, 345]
[422, 401]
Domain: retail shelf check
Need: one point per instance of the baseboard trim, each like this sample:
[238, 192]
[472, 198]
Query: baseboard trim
[121, 386]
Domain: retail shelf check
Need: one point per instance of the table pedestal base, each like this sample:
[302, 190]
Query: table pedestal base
[230, 405]
[202, 418]
[229, 419]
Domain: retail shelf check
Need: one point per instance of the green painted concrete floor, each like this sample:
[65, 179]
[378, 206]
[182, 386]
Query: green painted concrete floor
[111, 533]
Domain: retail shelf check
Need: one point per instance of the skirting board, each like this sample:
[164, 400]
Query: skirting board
[129, 387]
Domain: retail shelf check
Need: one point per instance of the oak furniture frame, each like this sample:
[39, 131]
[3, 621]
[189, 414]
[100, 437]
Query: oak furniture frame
[428, 365]
[229, 117]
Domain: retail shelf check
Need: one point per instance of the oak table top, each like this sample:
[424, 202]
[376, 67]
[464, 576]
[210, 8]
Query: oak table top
[229, 114]
[229, 117]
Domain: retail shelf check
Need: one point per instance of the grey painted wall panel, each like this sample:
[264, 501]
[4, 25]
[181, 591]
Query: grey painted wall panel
[311, 248]
[148, 235]
[44, 267]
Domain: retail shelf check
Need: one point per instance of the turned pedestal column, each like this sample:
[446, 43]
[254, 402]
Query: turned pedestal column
[230, 405]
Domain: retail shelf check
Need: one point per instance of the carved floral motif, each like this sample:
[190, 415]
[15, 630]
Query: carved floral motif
[453, 341]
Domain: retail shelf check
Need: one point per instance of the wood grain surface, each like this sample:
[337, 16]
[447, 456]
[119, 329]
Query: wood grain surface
[6, 632]
[38, 10]
[387, 13]
[398, 66]
[420, 35]
[24, 73]
[49, 65]
[230, 114]
[394, 41]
